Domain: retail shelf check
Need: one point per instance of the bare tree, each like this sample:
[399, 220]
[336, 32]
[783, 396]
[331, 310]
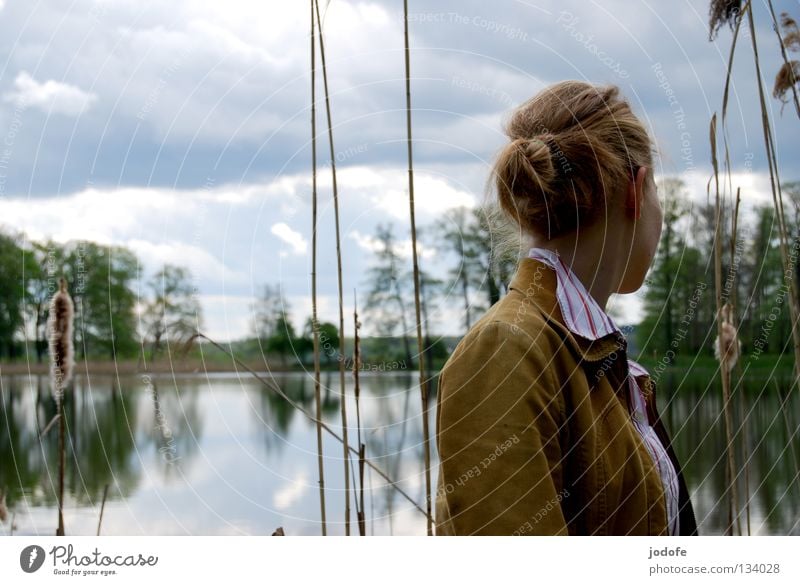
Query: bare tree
[173, 314]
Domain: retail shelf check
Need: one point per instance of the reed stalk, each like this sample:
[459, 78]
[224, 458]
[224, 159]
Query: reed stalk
[61, 465]
[725, 95]
[102, 509]
[777, 196]
[423, 382]
[314, 321]
[343, 397]
[53, 421]
[724, 371]
[742, 431]
[789, 432]
[362, 527]
[3, 506]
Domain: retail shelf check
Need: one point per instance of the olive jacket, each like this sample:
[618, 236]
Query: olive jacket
[533, 429]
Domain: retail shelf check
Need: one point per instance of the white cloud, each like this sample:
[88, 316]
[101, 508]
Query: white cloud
[201, 263]
[50, 96]
[402, 248]
[283, 498]
[294, 239]
[387, 190]
[226, 316]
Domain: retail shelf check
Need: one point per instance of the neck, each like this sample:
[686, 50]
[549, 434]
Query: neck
[593, 260]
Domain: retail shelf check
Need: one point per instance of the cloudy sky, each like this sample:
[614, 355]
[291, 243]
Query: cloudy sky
[182, 129]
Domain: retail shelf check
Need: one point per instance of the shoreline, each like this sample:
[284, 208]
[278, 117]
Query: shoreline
[194, 365]
[181, 366]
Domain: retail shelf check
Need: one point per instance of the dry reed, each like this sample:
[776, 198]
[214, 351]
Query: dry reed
[357, 389]
[339, 273]
[777, 196]
[314, 318]
[423, 382]
[789, 73]
[730, 475]
[3, 506]
[102, 509]
[722, 12]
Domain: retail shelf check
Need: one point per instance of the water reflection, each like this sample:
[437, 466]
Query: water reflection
[224, 454]
[767, 475]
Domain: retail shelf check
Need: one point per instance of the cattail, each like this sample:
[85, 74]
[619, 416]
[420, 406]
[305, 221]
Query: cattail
[731, 345]
[787, 76]
[59, 333]
[59, 330]
[721, 12]
[789, 73]
[3, 507]
[791, 32]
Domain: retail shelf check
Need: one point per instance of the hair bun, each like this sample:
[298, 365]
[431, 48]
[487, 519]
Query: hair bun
[534, 159]
[569, 153]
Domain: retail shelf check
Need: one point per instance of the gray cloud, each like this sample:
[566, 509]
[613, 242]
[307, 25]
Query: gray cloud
[182, 97]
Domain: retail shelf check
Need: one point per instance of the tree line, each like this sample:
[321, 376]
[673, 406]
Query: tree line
[679, 297]
[116, 316]
[121, 315]
[118, 313]
[679, 301]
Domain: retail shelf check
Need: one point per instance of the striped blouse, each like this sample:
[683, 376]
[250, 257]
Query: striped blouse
[586, 318]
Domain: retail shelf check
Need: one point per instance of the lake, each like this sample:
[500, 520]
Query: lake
[223, 454]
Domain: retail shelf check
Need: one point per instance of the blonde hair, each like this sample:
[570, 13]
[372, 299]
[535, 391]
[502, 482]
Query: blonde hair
[572, 146]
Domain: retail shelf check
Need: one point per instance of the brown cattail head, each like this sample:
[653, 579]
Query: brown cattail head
[3, 507]
[720, 12]
[791, 32]
[727, 347]
[572, 148]
[788, 75]
[59, 333]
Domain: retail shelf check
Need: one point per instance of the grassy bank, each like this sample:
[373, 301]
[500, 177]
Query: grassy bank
[209, 360]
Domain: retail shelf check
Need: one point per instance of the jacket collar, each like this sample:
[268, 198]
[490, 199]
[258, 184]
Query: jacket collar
[538, 283]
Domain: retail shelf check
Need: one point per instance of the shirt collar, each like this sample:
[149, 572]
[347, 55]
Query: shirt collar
[538, 283]
[580, 312]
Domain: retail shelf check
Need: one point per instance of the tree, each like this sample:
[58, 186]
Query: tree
[496, 250]
[106, 297]
[457, 233]
[328, 340]
[389, 285]
[766, 280]
[268, 308]
[12, 288]
[173, 314]
[429, 288]
[283, 339]
[663, 282]
[40, 274]
[485, 262]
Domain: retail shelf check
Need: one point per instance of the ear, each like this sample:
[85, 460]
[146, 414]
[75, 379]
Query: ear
[635, 195]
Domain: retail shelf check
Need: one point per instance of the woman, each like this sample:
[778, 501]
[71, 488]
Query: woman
[544, 425]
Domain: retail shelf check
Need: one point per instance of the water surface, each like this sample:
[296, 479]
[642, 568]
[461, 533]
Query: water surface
[224, 454]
